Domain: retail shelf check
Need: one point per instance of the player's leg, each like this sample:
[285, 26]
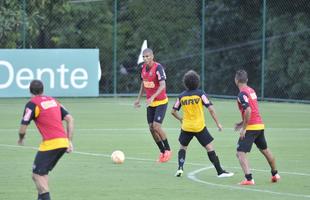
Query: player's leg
[41, 182]
[270, 158]
[244, 147]
[159, 144]
[205, 139]
[156, 138]
[181, 160]
[262, 146]
[39, 175]
[44, 162]
[184, 140]
[159, 116]
[150, 118]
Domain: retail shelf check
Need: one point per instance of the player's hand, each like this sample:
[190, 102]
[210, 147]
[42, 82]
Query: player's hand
[242, 133]
[238, 126]
[220, 127]
[70, 148]
[20, 142]
[137, 104]
[149, 101]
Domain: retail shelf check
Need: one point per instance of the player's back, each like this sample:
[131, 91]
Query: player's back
[193, 111]
[48, 117]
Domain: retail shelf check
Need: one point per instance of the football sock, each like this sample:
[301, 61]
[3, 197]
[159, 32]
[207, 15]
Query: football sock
[215, 161]
[166, 144]
[181, 158]
[161, 146]
[44, 196]
[248, 177]
[274, 172]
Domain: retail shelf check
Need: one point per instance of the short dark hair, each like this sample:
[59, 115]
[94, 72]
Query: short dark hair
[36, 87]
[241, 76]
[148, 50]
[191, 80]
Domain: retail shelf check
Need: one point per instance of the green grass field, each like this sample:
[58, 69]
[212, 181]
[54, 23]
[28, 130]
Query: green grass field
[103, 125]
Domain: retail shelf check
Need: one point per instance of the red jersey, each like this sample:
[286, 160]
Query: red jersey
[248, 98]
[151, 77]
[47, 114]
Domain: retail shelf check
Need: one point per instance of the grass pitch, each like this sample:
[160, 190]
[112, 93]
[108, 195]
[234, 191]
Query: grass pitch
[103, 125]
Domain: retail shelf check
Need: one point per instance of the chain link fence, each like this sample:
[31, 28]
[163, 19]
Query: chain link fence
[268, 38]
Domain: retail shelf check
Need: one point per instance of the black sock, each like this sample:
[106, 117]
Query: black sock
[248, 177]
[274, 172]
[215, 161]
[44, 196]
[181, 158]
[161, 146]
[166, 144]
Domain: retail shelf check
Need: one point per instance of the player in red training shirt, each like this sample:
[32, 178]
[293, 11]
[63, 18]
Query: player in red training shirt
[251, 129]
[47, 114]
[153, 82]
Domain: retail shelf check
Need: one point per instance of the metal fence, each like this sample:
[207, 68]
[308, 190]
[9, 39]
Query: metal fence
[268, 38]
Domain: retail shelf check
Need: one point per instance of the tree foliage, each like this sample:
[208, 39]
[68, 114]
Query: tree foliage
[233, 39]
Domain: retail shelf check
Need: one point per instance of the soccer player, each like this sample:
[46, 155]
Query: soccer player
[47, 114]
[251, 129]
[153, 82]
[192, 102]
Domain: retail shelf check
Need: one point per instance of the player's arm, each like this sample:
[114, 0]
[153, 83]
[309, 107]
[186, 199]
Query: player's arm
[69, 125]
[246, 118]
[243, 99]
[28, 115]
[137, 101]
[21, 134]
[211, 110]
[175, 110]
[214, 116]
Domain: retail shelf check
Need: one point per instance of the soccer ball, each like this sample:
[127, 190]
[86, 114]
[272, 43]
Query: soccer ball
[118, 157]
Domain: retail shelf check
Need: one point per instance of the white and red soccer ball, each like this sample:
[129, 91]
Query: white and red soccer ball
[118, 157]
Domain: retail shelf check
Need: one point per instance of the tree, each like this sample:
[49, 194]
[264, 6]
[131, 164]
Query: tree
[10, 26]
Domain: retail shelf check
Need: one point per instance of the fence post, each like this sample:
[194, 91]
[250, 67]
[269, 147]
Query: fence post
[115, 49]
[24, 24]
[263, 51]
[203, 14]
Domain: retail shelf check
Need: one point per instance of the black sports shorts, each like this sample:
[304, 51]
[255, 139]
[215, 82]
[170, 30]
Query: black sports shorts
[252, 136]
[45, 161]
[203, 137]
[156, 114]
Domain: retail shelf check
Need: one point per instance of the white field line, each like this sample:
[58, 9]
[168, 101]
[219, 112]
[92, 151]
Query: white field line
[146, 129]
[192, 176]
[143, 159]
[151, 160]
[95, 154]
[268, 171]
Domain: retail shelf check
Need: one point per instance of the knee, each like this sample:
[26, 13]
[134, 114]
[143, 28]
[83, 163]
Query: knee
[156, 127]
[151, 128]
[183, 147]
[34, 177]
[209, 147]
[265, 152]
[238, 154]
